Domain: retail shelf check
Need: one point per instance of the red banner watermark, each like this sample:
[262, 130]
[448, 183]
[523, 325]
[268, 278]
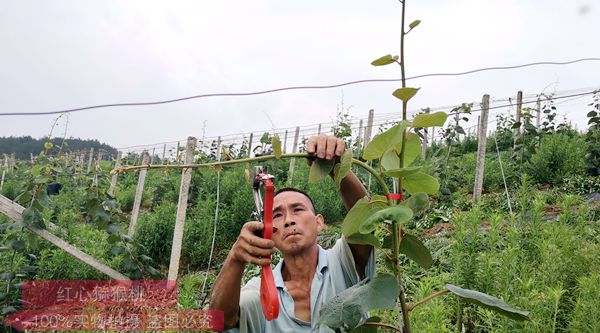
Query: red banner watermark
[100, 294]
[121, 320]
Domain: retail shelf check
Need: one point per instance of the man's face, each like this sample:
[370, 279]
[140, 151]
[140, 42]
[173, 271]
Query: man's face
[297, 226]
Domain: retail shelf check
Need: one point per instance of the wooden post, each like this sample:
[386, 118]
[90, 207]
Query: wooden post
[89, 168]
[369, 128]
[113, 181]
[31, 156]
[186, 179]
[285, 142]
[2, 181]
[177, 154]
[293, 161]
[424, 145]
[152, 156]
[518, 116]
[481, 142]
[164, 154]
[12, 163]
[358, 138]
[319, 130]
[432, 136]
[139, 191]
[218, 155]
[250, 145]
[456, 120]
[538, 109]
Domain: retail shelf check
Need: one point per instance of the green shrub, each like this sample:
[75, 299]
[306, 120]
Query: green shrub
[586, 315]
[154, 230]
[559, 156]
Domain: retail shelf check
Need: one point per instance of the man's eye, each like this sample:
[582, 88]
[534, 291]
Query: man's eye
[298, 209]
[276, 215]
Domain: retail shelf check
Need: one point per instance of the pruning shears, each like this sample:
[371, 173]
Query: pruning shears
[269, 298]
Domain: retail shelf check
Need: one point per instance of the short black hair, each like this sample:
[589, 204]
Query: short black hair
[292, 189]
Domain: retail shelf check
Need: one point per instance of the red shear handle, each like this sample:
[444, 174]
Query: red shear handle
[269, 298]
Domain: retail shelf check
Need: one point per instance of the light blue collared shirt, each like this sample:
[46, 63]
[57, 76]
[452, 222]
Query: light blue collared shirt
[335, 272]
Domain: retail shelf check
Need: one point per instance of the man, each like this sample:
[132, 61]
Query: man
[308, 276]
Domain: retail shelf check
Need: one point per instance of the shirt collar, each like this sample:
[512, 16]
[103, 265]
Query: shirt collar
[321, 265]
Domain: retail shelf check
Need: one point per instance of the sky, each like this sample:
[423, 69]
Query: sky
[63, 54]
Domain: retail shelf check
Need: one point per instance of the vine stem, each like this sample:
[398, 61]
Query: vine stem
[359, 163]
[383, 325]
[428, 298]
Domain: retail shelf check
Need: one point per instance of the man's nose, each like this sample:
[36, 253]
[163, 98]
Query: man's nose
[290, 223]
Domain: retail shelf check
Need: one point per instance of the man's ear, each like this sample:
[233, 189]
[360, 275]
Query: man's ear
[320, 222]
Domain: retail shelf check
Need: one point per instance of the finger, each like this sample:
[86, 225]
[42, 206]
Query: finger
[253, 226]
[331, 143]
[340, 147]
[258, 242]
[257, 260]
[321, 146]
[259, 252]
[311, 145]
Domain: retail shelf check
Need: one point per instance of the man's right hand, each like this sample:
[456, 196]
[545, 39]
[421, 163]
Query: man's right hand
[250, 248]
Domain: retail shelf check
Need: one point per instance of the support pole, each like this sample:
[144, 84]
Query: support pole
[481, 142]
[285, 142]
[152, 156]
[369, 128]
[293, 161]
[518, 115]
[164, 153]
[319, 130]
[250, 144]
[139, 191]
[89, 168]
[538, 109]
[186, 179]
[113, 181]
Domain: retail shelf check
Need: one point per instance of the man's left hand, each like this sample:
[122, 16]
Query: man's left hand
[325, 146]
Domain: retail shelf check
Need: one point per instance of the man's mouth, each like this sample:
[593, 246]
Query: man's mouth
[291, 234]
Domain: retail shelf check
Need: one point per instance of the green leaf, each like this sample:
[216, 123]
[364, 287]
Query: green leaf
[31, 256]
[118, 249]
[390, 139]
[390, 160]
[48, 145]
[2, 297]
[402, 172]
[430, 119]
[319, 170]
[414, 24]
[3, 249]
[28, 268]
[412, 148]
[421, 182]
[32, 216]
[152, 271]
[7, 276]
[341, 169]
[276, 144]
[405, 94]
[414, 249]
[361, 210]
[144, 257]
[489, 302]
[127, 239]
[592, 114]
[399, 214]
[113, 228]
[16, 244]
[385, 60]
[347, 308]
[8, 309]
[368, 239]
[418, 202]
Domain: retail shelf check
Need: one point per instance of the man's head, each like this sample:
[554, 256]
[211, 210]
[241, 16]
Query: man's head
[296, 222]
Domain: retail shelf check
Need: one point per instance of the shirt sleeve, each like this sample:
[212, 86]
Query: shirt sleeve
[252, 318]
[341, 251]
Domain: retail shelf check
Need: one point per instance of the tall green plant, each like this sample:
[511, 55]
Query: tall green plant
[592, 137]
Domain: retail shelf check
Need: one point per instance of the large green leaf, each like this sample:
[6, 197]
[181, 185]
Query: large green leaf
[367, 329]
[347, 308]
[361, 210]
[390, 160]
[412, 148]
[364, 239]
[385, 60]
[489, 302]
[32, 216]
[319, 170]
[405, 94]
[341, 169]
[399, 214]
[276, 144]
[401, 172]
[392, 138]
[421, 182]
[417, 202]
[430, 119]
[414, 249]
